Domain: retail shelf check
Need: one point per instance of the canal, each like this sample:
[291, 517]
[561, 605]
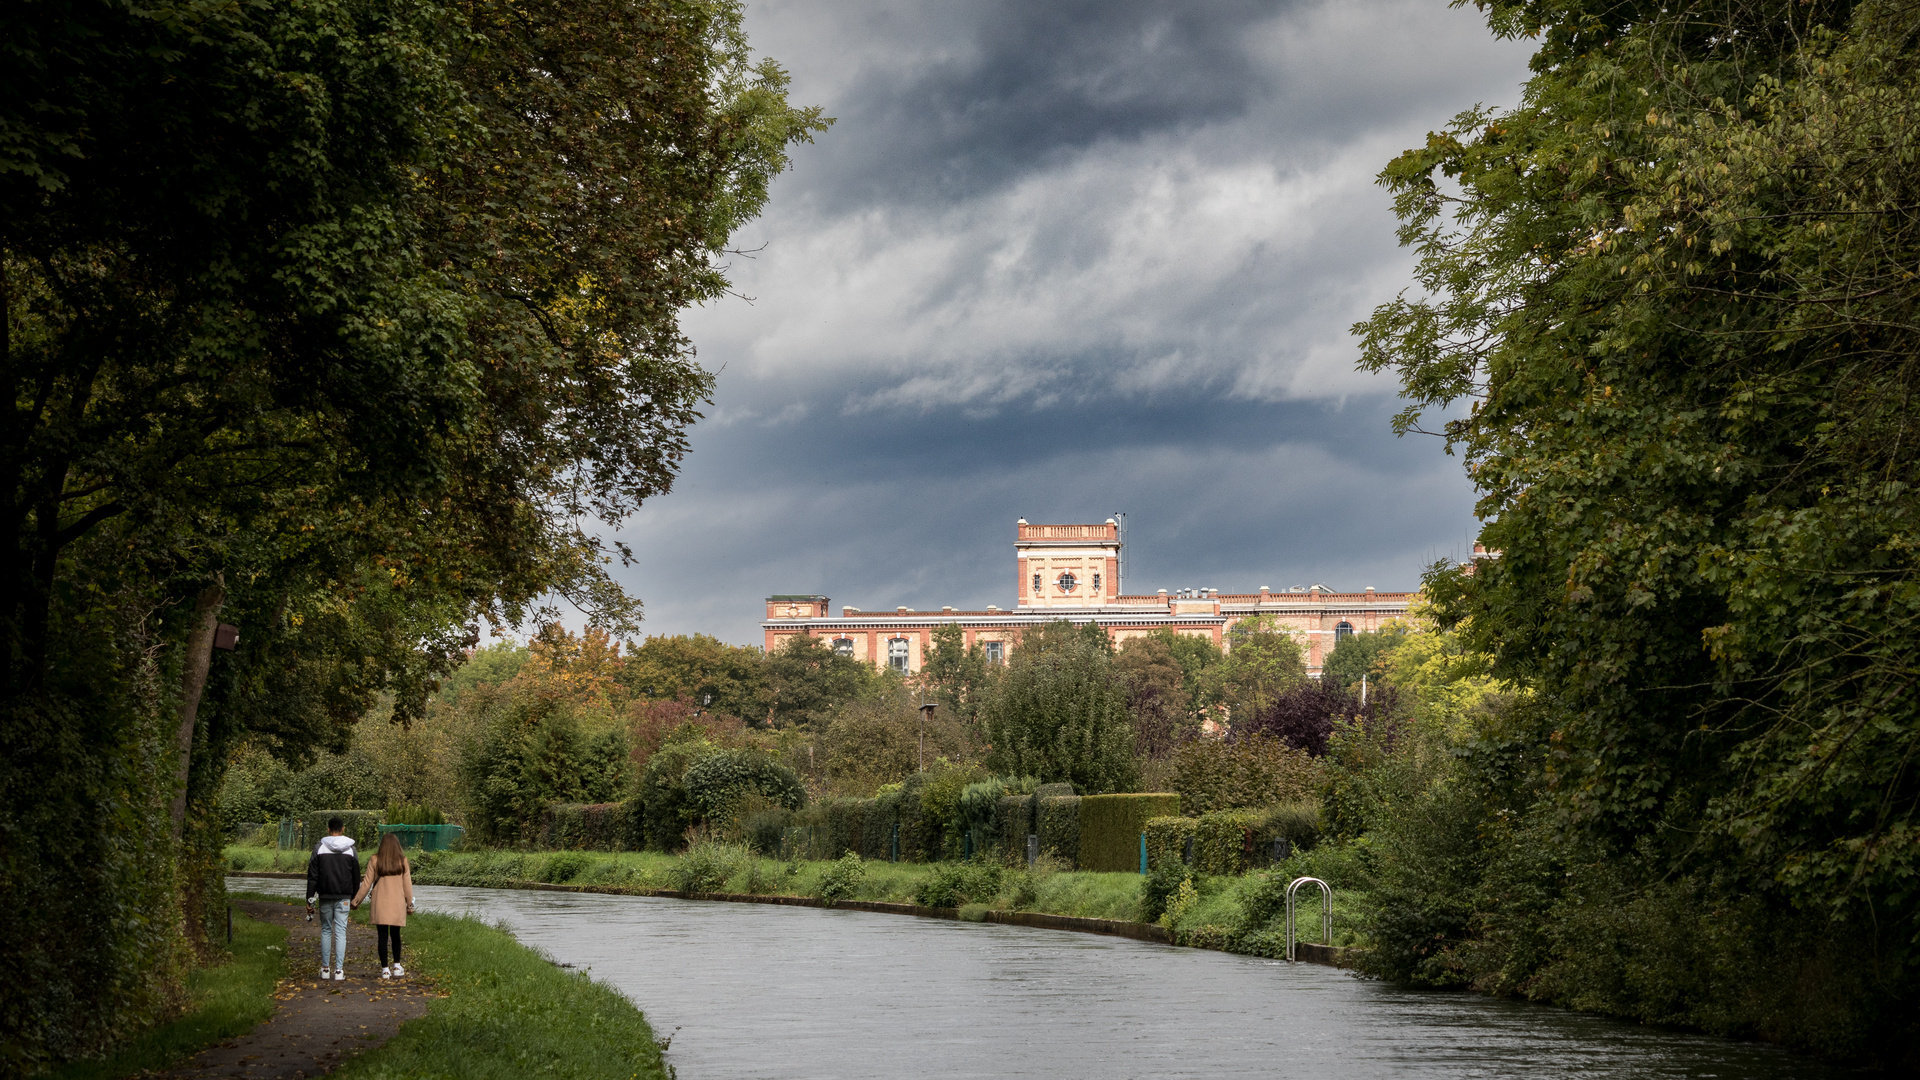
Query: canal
[752, 991]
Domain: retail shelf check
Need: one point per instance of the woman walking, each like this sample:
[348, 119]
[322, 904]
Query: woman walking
[390, 884]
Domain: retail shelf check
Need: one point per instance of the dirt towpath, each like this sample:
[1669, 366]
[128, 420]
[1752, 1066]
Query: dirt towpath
[318, 1025]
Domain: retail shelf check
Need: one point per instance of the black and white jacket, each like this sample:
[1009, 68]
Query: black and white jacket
[333, 873]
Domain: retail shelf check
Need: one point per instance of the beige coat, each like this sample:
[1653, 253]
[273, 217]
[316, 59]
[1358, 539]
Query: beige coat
[392, 895]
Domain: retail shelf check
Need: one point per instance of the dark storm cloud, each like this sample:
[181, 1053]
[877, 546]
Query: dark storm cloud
[1035, 82]
[1061, 260]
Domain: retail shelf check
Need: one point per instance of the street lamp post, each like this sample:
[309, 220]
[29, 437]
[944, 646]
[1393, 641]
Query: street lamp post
[926, 713]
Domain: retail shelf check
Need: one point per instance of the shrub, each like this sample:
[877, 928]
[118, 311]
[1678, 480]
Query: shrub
[952, 885]
[666, 811]
[706, 867]
[1213, 775]
[1110, 828]
[763, 831]
[717, 782]
[1059, 826]
[942, 823]
[564, 867]
[1296, 823]
[843, 879]
[1182, 901]
[1160, 886]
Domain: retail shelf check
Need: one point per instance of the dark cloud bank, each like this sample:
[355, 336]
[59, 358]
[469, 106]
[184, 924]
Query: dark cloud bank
[1060, 260]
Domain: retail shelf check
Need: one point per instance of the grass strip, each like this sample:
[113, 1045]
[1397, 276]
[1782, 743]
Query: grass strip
[227, 1000]
[509, 1013]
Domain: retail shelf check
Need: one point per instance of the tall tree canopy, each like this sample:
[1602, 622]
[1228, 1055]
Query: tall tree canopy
[1677, 286]
[332, 320]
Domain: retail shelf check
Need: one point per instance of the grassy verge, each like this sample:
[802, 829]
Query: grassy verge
[509, 1013]
[228, 1000]
[1216, 920]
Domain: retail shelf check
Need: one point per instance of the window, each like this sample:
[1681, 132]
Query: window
[996, 651]
[1342, 632]
[1036, 584]
[1066, 581]
[897, 653]
[1096, 583]
[843, 646]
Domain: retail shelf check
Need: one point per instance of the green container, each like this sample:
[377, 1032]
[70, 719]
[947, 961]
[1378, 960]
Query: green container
[426, 837]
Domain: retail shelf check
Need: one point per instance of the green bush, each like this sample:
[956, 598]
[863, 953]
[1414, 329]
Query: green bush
[952, 885]
[763, 831]
[564, 867]
[1110, 828]
[1296, 823]
[1059, 826]
[717, 782]
[666, 811]
[1161, 886]
[1210, 774]
[706, 867]
[585, 827]
[843, 879]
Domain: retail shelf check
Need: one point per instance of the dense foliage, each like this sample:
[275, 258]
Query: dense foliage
[1677, 286]
[1059, 713]
[331, 321]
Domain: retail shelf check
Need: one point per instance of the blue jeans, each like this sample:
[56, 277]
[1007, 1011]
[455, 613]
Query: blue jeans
[333, 933]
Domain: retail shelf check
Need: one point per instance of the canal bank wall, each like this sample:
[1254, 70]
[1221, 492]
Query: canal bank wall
[1326, 955]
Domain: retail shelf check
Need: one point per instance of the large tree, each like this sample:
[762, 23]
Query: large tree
[1060, 711]
[1676, 286]
[333, 321]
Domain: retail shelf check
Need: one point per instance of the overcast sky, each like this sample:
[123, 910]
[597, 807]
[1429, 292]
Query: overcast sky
[1057, 260]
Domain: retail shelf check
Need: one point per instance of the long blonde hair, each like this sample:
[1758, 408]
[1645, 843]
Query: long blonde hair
[390, 859]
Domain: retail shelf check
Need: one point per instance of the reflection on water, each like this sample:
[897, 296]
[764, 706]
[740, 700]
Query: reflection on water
[750, 991]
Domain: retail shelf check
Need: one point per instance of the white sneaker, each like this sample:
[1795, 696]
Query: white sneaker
[326, 973]
[386, 973]
[398, 971]
[340, 973]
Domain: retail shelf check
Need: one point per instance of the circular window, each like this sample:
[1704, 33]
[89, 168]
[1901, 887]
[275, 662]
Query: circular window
[1066, 581]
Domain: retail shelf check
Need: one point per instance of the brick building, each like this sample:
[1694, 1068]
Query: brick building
[1072, 572]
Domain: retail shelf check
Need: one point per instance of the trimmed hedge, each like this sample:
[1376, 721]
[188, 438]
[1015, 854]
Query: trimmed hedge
[590, 826]
[1167, 840]
[1059, 827]
[1013, 822]
[1230, 842]
[1223, 842]
[362, 825]
[1110, 828]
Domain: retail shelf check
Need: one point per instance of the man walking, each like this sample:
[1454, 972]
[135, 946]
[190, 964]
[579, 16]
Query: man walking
[333, 877]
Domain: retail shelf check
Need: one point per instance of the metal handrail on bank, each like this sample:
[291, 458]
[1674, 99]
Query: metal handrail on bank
[1326, 912]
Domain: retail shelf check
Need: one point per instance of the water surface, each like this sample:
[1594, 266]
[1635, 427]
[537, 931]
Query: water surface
[758, 991]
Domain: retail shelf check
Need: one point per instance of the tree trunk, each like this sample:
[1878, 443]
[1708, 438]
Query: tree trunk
[193, 681]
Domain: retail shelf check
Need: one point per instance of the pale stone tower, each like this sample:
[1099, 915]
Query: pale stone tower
[1067, 565]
